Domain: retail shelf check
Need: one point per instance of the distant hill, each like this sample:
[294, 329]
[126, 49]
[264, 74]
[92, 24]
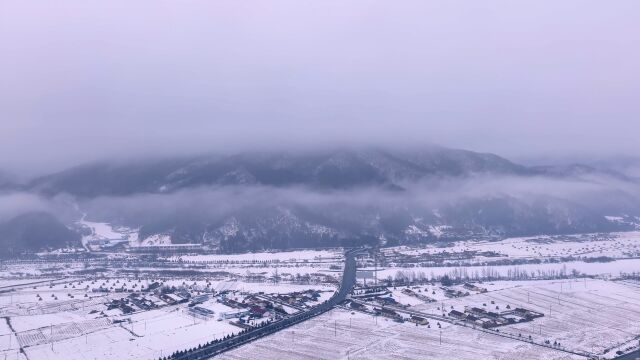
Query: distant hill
[337, 169]
[340, 196]
[34, 231]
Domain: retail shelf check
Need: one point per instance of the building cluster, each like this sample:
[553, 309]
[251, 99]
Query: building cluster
[454, 293]
[299, 299]
[408, 260]
[489, 319]
[475, 288]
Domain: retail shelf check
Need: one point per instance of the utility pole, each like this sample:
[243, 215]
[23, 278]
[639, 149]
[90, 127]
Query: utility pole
[441, 337]
[335, 328]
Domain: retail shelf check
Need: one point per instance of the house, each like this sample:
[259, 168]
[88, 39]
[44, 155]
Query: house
[387, 313]
[201, 312]
[172, 299]
[418, 320]
[199, 299]
[472, 287]
[233, 314]
[527, 314]
[153, 286]
[477, 311]
[184, 294]
[386, 301]
[471, 318]
[457, 314]
[257, 311]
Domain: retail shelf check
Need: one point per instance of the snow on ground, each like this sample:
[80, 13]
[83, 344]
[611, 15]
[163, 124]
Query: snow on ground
[608, 269]
[157, 239]
[438, 230]
[582, 314]
[105, 231]
[587, 245]
[70, 329]
[5, 283]
[340, 334]
[144, 335]
[290, 256]
[8, 342]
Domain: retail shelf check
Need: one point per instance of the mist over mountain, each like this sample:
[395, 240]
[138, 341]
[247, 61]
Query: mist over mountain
[34, 231]
[323, 169]
[339, 196]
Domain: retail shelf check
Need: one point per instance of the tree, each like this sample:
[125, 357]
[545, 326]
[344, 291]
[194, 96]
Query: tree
[446, 281]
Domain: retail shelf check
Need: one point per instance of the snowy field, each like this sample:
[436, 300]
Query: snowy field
[607, 269]
[343, 335]
[585, 315]
[286, 256]
[79, 333]
[616, 245]
[592, 316]
[50, 310]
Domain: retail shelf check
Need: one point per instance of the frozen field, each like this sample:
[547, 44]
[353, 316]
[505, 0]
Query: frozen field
[616, 245]
[341, 335]
[605, 269]
[289, 256]
[593, 315]
[69, 328]
[71, 316]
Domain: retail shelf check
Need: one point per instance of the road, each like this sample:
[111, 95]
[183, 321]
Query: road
[348, 281]
[630, 356]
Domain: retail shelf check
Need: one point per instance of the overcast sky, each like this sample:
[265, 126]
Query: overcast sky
[81, 80]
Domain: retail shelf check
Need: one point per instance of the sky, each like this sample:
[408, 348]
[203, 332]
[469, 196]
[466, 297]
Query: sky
[84, 80]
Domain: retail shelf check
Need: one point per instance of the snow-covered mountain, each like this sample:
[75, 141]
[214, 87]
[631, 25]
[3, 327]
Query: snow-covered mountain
[335, 169]
[342, 196]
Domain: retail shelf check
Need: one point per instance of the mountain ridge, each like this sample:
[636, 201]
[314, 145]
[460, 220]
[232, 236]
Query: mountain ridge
[260, 200]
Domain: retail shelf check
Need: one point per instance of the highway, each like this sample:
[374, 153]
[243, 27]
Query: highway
[213, 349]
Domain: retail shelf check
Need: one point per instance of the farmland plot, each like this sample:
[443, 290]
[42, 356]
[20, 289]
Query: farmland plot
[341, 335]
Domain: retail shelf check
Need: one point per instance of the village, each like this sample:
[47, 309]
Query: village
[56, 305]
